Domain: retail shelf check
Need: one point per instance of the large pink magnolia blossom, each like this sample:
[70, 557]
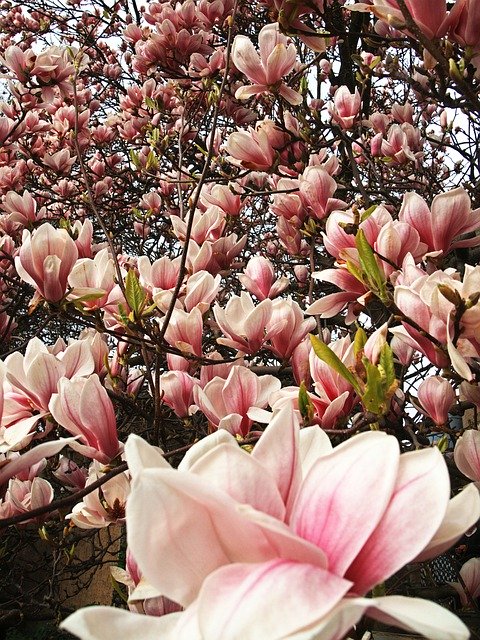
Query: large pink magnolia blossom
[45, 260]
[296, 523]
[83, 408]
[277, 58]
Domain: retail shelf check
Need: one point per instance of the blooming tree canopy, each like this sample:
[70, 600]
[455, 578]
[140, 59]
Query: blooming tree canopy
[239, 311]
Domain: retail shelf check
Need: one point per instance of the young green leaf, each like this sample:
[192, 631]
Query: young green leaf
[134, 293]
[359, 340]
[324, 352]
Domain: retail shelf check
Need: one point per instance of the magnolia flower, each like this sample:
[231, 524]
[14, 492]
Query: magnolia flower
[45, 260]
[259, 278]
[233, 536]
[244, 323]
[277, 58]
[441, 225]
[83, 408]
[436, 395]
[97, 509]
[25, 495]
[227, 402]
[345, 108]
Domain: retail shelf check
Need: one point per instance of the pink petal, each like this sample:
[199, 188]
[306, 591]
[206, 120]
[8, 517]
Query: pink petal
[277, 451]
[241, 476]
[248, 601]
[342, 499]
[416, 510]
[463, 511]
[420, 616]
[98, 623]
[141, 455]
[27, 460]
[467, 454]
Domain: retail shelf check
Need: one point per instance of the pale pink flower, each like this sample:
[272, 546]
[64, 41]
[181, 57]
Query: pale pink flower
[295, 327]
[32, 380]
[298, 521]
[436, 395]
[25, 495]
[92, 280]
[277, 58]
[96, 511]
[469, 588]
[441, 225]
[70, 474]
[177, 392]
[83, 408]
[345, 108]
[23, 208]
[259, 278]
[60, 162]
[245, 324]
[226, 402]
[185, 330]
[255, 148]
[222, 196]
[45, 260]
[334, 396]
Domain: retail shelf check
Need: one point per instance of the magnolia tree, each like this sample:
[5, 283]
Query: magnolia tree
[239, 311]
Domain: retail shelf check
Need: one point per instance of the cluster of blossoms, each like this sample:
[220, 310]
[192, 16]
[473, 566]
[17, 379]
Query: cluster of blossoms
[223, 232]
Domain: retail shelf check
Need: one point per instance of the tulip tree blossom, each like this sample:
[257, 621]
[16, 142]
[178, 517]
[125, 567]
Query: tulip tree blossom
[265, 533]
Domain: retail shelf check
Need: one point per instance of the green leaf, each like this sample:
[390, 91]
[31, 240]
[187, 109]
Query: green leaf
[387, 365]
[134, 293]
[443, 443]
[123, 315]
[355, 271]
[305, 405]
[374, 397]
[134, 157]
[370, 266]
[368, 212]
[150, 102]
[328, 356]
[359, 340]
[116, 586]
